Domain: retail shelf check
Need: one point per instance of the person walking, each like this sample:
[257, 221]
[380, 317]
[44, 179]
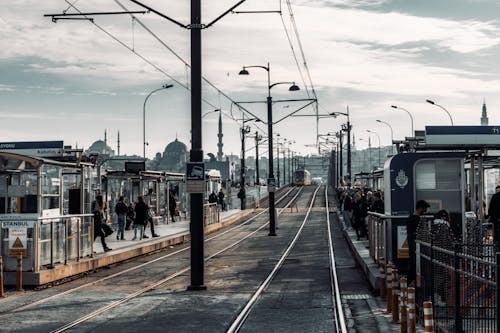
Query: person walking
[411, 232]
[346, 208]
[359, 213]
[130, 216]
[220, 199]
[172, 205]
[149, 200]
[141, 217]
[494, 215]
[121, 210]
[98, 211]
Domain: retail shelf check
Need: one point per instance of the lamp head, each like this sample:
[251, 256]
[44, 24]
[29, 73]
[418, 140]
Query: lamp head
[430, 102]
[294, 87]
[244, 72]
[166, 86]
[378, 121]
[394, 106]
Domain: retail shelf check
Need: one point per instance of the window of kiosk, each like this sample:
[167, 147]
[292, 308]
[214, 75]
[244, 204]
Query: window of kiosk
[51, 189]
[72, 191]
[439, 183]
[18, 193]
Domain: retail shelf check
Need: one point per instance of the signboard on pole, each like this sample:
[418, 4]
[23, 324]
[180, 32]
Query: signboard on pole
[195, 177]
[36, 148]
[271, 184]
[18, 237]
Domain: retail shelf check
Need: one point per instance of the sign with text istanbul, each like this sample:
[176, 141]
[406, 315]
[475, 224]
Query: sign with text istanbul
[35, 149]
[470, 136]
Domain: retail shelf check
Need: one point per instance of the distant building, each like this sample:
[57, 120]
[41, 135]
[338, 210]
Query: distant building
[173, 159]
[484, 115]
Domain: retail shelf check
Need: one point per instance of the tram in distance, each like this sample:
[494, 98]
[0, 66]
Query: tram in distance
[302, 177]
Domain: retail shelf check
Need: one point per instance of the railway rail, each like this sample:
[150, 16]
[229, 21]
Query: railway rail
[285, 199]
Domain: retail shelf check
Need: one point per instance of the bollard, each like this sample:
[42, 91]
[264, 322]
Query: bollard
[383, 290]
[428, 318]
[411, 310]
[404, 319]
[403, 297]
[395, 296]
[2, 293]
[388, 281]
[19, 275]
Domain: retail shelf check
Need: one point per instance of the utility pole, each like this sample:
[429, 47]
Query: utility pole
[257, 176]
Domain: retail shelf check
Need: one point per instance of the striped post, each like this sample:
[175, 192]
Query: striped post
[19, 273]
[2, 293]
[428, 318]
[395, 296]
[388, 281]
[383, 290]
[411, 310]
[403, 304]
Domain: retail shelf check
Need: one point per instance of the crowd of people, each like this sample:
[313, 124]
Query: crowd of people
[137, 216]
[355, 204]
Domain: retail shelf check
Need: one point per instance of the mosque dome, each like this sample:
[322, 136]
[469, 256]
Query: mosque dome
[100, 147]
[176, 147]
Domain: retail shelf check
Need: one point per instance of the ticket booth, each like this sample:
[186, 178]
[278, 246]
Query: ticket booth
[45, 213]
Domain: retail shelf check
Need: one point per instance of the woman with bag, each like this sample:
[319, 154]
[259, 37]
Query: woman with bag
[98, 211]
[141, 217]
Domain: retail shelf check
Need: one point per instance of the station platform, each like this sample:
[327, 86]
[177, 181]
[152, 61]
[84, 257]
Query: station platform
[171, 233]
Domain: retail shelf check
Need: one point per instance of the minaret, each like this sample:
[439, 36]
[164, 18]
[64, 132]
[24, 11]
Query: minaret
[484, 115]
[220, 144]
[105, 137]
[118, 143]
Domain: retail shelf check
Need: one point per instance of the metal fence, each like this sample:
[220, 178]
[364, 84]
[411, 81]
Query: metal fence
[461, 281]
[212, 213]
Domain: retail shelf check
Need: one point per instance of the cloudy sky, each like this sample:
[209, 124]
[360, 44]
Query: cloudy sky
[72, 80]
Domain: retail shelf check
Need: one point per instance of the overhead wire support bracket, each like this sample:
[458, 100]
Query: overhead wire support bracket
[258, 12]
[83, 16]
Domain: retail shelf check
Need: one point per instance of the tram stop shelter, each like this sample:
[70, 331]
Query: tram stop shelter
[45, 214]
[453, 168]
[154, 186]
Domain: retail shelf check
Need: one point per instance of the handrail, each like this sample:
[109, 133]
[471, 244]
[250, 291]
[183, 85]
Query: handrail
[62, 216]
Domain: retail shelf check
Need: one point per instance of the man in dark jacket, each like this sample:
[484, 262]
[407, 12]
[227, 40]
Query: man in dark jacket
[411, 235]
[121, 210]
[494, 215]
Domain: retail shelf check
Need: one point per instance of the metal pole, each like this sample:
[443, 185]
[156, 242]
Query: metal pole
[257, 176]
[278, 161]
[456, 280]
[349, 146]
[196, 153]
[284, 167]
[272, 217]
[341, 163]
[19, 273]
[242, 169]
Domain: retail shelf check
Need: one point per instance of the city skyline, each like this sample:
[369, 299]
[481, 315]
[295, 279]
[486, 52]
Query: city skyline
[70, 81]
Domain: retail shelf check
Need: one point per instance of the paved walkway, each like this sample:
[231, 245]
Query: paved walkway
[164, 230]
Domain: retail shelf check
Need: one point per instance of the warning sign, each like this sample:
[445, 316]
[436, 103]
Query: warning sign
[403, 248]
[18, 241]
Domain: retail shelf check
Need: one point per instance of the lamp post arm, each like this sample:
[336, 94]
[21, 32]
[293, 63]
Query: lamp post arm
[144, 120]
[411, 117]
[443, 108]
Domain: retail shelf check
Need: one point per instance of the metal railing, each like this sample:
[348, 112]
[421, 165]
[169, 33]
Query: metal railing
[212, 213]
[461, 281]
[378, 225]
[65, 238]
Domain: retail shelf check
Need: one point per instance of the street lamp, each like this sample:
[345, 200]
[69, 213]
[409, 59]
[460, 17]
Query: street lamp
[210, 112]
[392, 133]
[411, 117]
[293, 87]
[346, 128]
[165, 86]
[378, 136]
[244, 131]
[442, 107]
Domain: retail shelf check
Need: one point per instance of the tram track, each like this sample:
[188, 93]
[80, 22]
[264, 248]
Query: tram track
[293, 275]
[293, 193]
